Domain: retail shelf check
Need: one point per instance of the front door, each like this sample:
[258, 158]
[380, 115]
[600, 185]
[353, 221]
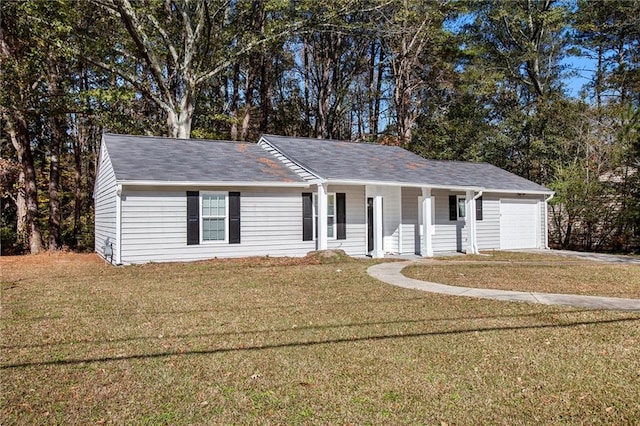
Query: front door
[370, 224]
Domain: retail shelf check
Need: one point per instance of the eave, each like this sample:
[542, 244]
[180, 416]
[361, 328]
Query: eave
[191, 183]
[428, 185]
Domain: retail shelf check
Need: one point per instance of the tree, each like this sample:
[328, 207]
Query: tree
[18, 93]
[521, 45]
[415, 47]
[180, 46]
[608, 32]
[330, 62]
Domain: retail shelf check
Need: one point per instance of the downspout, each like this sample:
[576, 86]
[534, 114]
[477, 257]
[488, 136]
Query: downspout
[546, 221]
[119, 225]
[475, 218]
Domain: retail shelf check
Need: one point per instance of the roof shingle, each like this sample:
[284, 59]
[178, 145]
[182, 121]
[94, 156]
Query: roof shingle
[339, 160]
[144, 158]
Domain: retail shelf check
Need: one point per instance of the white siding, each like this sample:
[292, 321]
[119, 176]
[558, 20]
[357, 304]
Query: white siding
[105, 203]
[449, 235]
[356, 242]
[410, 224]
[154, 226]
[488, 229]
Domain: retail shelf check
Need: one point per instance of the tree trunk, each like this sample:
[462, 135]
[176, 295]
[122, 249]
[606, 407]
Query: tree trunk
[246, 120]
[54, 186]
[378, 94]
[21, 211]
[179, 122]
[58, 133]
[376, 69]
[307, 82]
[18, 133]
[234, 102]
[372, 85]
[324, 95]
[404, 116]
[567, 235]
[265, 94]
[77, 189]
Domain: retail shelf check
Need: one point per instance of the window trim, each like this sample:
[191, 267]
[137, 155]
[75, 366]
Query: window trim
[226, 217]
[314, 207]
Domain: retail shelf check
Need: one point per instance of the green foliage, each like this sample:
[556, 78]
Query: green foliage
[583, 207]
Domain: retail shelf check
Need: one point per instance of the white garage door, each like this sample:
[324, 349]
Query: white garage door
[519, 224]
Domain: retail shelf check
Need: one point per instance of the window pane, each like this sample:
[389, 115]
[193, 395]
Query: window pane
[205, 205]
[220, 204]
[213, 229]
[330, 227]
[213, 205]
[461, 207]
[331, 202]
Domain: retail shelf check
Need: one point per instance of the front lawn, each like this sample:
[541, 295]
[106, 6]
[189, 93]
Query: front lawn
[533, 272]
[289, 341]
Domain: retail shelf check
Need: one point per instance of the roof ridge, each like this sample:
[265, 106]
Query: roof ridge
[266, 135]
[168, 138]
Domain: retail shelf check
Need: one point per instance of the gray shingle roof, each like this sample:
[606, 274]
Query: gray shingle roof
[339, 160]
[143, 158]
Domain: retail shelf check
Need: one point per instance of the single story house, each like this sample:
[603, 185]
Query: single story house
[160, 199]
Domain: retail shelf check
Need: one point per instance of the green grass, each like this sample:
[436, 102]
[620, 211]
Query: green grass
[285, 341]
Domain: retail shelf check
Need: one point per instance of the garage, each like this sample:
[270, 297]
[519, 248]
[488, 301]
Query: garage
[519, 224]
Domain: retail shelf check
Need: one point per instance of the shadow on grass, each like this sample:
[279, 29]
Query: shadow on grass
[284, 330]
[214, 309]
[378, 337]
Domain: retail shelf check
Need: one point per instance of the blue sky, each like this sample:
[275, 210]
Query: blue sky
[579, 71]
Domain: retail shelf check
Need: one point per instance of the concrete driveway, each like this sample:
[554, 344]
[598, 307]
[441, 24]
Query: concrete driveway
[598, 257]
[390, 273]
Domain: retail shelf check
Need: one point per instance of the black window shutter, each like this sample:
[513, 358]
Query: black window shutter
[479, 208]
[341, 216]
[234, 218]
[307, 216]
[453, 207]
[193, 217]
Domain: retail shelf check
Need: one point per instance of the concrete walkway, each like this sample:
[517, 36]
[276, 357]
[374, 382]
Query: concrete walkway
[390, 273]
[598, 257]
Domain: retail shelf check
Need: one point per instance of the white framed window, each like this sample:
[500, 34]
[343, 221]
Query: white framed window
[461, 207]
[214, 218]
[331, 215]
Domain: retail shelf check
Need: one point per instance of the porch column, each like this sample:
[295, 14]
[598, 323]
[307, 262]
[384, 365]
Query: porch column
[322, 216]
[426, 240]
[470, 222]
[378, 250]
